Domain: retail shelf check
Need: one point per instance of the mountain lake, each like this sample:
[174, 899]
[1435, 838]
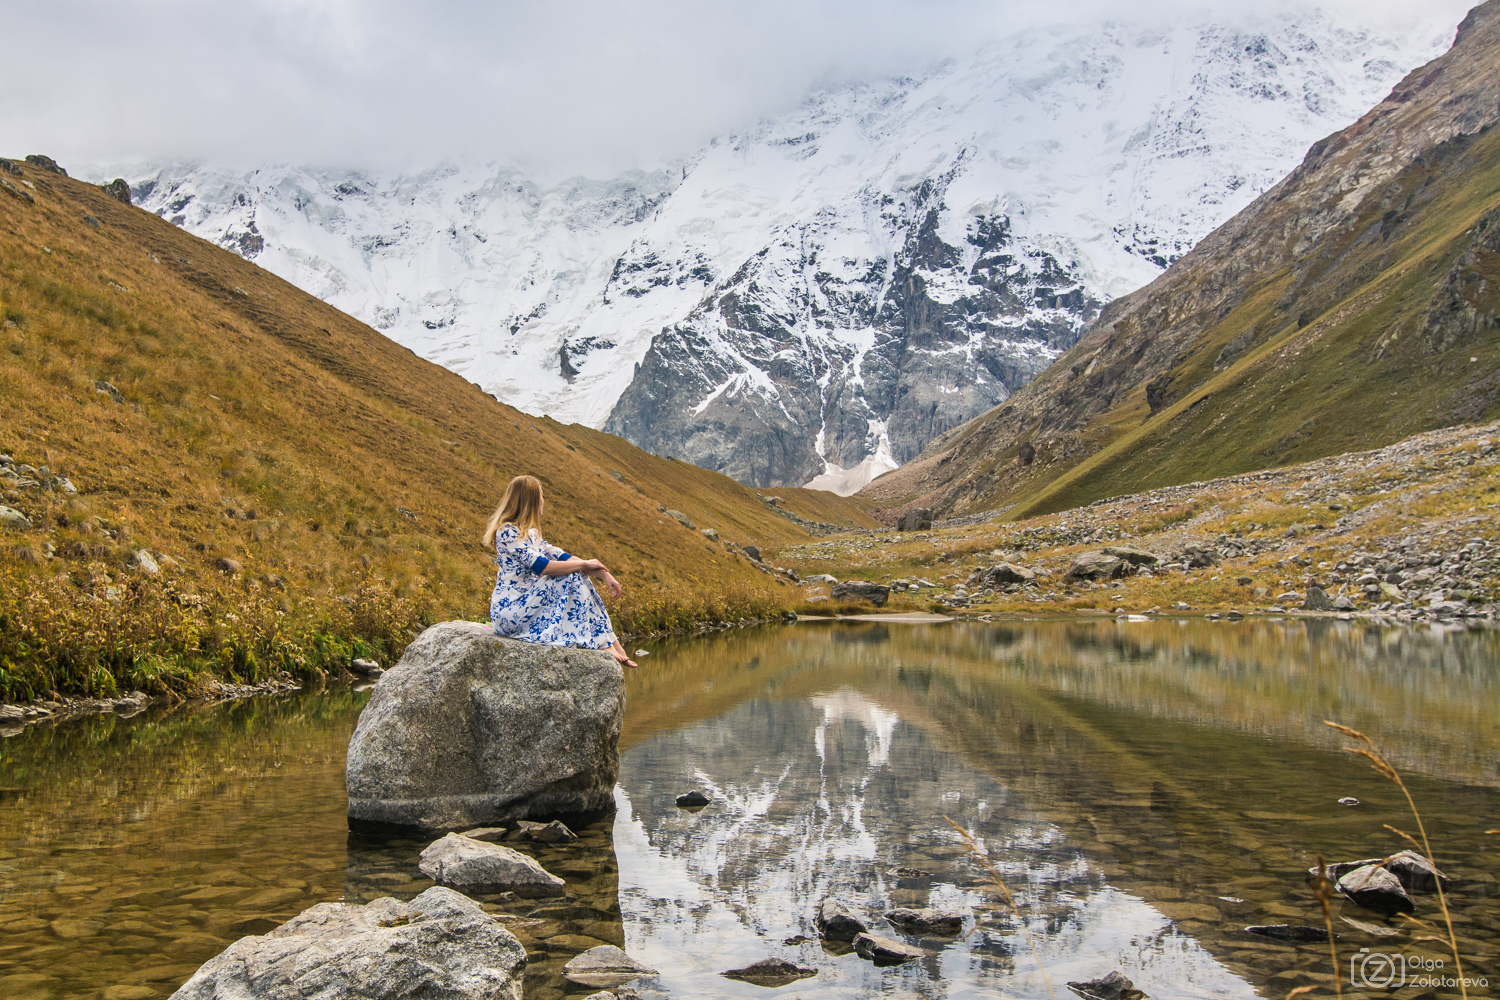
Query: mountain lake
[1145, 790]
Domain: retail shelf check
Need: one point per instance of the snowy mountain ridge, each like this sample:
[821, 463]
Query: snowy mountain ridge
[823, 294]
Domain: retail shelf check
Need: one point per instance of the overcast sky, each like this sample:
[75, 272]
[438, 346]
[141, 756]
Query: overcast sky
[590, 86]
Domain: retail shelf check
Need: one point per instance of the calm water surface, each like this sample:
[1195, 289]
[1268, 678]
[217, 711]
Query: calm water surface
[1145, 789]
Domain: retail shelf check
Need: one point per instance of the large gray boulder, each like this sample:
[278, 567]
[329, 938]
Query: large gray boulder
[440, 944]
[476, 866]
[1096, 566]
[1002, 575]
[469, 730]
[862, 590]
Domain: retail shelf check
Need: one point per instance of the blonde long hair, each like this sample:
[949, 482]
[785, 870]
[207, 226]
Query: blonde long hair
[521, 506]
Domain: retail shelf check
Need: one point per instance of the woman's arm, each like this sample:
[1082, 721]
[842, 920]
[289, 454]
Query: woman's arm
[573, 564]
[592, 567]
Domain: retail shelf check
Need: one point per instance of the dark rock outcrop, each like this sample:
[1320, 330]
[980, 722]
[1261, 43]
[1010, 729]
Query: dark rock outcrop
[469, 729]
[118, 190]
[439, 944]
[862, 590]
[46, 163]
[919, 519]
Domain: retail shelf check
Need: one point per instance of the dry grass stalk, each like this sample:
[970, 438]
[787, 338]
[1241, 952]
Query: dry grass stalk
[1009, 900]
[1325, 894]
[1383, 767]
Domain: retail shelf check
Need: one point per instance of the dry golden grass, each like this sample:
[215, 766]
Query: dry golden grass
[262, 426]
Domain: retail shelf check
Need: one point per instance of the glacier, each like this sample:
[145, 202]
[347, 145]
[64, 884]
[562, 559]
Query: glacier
[815, 298]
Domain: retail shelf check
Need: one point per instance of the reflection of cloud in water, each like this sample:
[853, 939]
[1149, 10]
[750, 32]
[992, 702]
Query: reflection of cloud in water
[825, 795]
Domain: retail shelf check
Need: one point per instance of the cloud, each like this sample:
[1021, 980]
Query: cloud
[559, 85]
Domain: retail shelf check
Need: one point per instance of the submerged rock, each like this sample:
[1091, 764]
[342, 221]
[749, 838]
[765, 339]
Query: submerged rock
[1112, 987]
[884, 951]
[770, 972]
[605, 965]
[477, 865]
[838, 921]
[926, 921]
[555, 832]
[439, 944]
[1288, 932]
[469, 729]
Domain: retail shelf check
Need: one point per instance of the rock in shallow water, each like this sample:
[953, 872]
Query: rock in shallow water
[692, 800]
[770, 972]
[475, 865]
[838, 921]
[1112, 987]
[469, 729]
[605, 965]
[1377, 889]
[439, 944]
[926, 920]
[884, 951]
[1288, 932]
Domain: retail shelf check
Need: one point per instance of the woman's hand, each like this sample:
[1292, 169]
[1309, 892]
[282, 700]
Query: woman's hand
[609, 581]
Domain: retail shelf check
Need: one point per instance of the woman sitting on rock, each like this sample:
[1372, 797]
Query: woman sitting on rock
[542, 593]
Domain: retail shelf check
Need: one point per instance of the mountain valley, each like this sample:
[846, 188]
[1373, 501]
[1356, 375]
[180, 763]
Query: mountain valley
[816, 298]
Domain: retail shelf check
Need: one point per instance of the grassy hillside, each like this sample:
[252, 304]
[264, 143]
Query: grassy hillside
[314, 488]
[1354, 304]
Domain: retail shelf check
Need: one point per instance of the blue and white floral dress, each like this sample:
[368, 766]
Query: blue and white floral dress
[551, 610]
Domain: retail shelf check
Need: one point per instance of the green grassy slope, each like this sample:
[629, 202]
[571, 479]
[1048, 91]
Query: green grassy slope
[1339, 311]
[1401, 337]
[347, 478]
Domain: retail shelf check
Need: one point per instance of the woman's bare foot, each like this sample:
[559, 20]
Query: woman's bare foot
[618, 652]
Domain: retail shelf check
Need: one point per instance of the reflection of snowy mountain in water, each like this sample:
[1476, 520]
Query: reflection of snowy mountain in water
[838, 791]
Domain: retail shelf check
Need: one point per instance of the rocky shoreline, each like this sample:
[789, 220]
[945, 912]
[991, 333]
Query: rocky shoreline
[15, 717]
[1407, 533]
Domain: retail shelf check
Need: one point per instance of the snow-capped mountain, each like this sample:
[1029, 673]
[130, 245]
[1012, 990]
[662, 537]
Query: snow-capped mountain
[819, 296]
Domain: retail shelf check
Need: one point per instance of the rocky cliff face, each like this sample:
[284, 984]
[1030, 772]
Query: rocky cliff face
[803, 370]
[820, 295]
[1367, 273]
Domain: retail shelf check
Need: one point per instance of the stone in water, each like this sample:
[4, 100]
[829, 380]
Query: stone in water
[605, 965]
[770, 972]
[439, 944]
